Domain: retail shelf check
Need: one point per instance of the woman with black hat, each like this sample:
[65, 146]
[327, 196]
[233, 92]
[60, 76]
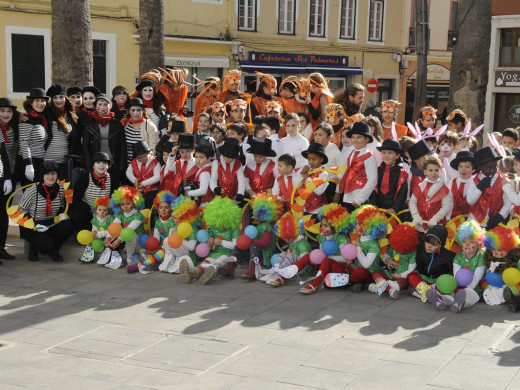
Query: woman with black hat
[153, 102]
[91, 185]
[138, 127]
[75, 97]
[119, 102]
[34, 136]
[43, 202]
[87, 108]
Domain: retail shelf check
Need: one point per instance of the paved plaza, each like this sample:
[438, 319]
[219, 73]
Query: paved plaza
[83, 326]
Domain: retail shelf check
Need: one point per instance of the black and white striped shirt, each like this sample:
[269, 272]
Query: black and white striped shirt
[33, 203]
[32, 140]
[132, 135]
[93, 191]
[59, 146]
[154, 117]
[9, 146]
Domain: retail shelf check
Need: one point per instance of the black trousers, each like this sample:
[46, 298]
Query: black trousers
[4, 219]
[80, 215]
[52, 240]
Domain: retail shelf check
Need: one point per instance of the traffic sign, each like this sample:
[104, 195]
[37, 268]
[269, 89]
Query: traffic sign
[372, 85]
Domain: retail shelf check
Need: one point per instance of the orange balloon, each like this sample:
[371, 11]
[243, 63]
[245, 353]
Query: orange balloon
[114, 229]
[175, 241]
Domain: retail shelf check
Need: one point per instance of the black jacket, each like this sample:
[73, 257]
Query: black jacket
[434, 265]
[393, 199]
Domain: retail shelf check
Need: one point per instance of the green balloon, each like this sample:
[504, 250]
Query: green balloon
[446, 284]
[97, 245]
[127, 234]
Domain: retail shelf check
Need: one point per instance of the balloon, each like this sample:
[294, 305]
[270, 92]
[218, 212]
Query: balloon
[202, 236]
[274, 258]
[184, 229]
[511, 276]
[85, 237]
[152, 244]
[127, 234]
[175, 241]
[317, 256]
[251, 231]
[98, 245]
[446, 284]
[114, 229]
[494, 279]
[202, 250]
[464, 277]
[349, 251]
[329, 247]
[142, 240]
[243, 242]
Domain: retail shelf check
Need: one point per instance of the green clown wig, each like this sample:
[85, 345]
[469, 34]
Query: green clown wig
[222, 213]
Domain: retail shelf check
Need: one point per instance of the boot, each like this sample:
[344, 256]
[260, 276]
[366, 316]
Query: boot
[33, 253]
[56, 256]
[209, 274]
[187, 275]
[250, 274]
[5, 255]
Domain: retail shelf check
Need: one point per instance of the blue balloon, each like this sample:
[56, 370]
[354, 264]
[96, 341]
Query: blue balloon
[142, 240]
[202, 236]
[330, 247]
[251, 231]
[494, 279]
[274, 258]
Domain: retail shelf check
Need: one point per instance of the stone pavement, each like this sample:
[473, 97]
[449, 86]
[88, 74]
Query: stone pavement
[82, 326]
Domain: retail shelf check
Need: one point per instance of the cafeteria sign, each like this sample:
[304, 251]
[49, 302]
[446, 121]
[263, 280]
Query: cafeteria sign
[297, 59]
[506, 78]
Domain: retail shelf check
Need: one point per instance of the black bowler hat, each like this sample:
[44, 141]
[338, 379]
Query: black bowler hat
[231, 148]
[316, 148]
[140, 148]
[104, 97]
[186, 141]
[461, 157]
[56, 89]
[486, 155]
[74, 91]
[136, 102]
[91, 89]
[100, 156]
[144, 83]
[361, 128]
[6, 102]
[49, 166]
[261, 147]
[37, 93]
[419, 149]
[391, 144]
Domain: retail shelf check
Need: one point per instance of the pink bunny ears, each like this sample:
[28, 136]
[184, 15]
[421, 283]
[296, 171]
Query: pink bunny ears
[416, 131]
[496, 145]
[466, 132]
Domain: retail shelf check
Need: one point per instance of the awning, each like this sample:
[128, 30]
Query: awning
[251, 67]
[196, 62]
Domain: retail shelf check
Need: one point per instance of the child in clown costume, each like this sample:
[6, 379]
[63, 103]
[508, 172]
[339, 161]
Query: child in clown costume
[100, 223]
[470, 236]
[267, 209]
[222, 218]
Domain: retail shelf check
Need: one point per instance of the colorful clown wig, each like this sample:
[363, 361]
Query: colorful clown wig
[129, 193]
[222, 213]
[404, 239]
[337, 216]
[471, 231]
[288, 227]
[101, 201]
[501, 239]
[266, 207]
[373, 222]
[186, 210]
[164, 197]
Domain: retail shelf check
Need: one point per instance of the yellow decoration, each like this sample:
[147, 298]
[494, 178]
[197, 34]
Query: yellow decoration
[315, 229]
[310, 186]
[383, 242]
[397, 257]
[300, 201]
[512, 224]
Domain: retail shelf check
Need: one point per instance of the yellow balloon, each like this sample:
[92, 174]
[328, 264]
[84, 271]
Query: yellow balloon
[511, 276]
[184, 229]
[85, 237]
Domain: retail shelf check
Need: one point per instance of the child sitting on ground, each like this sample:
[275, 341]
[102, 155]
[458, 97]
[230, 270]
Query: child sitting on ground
[100, 223]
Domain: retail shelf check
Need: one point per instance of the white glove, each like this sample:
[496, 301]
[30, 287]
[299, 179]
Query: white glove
[8, 186]
[63, 217]
[29, 172]
[432, 222]
[418, 220]
[41, 228]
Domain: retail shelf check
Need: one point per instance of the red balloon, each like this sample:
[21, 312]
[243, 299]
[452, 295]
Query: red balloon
[152, 244]
[243, 242]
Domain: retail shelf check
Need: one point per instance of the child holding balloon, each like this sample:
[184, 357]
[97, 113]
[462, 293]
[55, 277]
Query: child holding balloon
[511, 277]
[100, 224]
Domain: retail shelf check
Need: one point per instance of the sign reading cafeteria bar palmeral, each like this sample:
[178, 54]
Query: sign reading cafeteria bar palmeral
[297, 59]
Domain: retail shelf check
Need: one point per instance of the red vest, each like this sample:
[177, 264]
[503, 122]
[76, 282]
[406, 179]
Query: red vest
[490, 201]
[416, 180]
[460, 204]
[356, 176]
[208, 196]
[263, 182]
[315, 201]
[428, 208]
[146, 172]
[227, 178]
[179, 177]
[285, 192]
[166, 180]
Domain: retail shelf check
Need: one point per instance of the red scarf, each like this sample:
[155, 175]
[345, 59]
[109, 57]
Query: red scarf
[35, 114]
[90, 111]
[101, 180]
[121, 106]
[48, 204]
[63, 113]
[149, 103]
[103, 120]
[4, 132]
[128, 120]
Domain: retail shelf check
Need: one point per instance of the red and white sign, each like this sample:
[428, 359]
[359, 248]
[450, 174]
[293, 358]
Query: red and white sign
[372, 85]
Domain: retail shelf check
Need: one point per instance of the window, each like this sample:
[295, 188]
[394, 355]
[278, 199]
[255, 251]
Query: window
[509, 46]
[347, 29]
[286, 16]
[247, 15]
[453, 23]
[375, 20]
[99, 54]
[317, 18]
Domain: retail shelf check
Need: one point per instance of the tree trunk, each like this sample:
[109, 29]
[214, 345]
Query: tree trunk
[422, 48]
[151, 32]
[72, 62]
[470, 59]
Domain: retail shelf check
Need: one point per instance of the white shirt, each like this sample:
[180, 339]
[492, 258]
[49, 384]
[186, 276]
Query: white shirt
[334, 155]
[295, 146]
[204, 180]
[377, 154]
[295, 177]
[345, 152]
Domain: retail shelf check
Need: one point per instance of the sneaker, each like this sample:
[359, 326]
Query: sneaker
[209, 274]
[435, 300]
[277, 282]
[381, 285]
[421, 290]
[494, 296]
[394, 289]
[511, 300]
[288, 272]
[336, 280]
[372, 288]
[88, 255]
[459, 301]
[105, 256]
[184, 269]
[115, 260]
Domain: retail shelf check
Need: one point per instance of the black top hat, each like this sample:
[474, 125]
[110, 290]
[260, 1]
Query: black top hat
[140, 148]
[418, 149]
[486, 155]
[56, 89]
[119, 88]
[100, 156]
[6, 102]
[144, 83]
[361, 128]
[461, 157]
[261, 147]
[178, 126]
[91, 89]
[104, 97]
[74, 91]
[186, 141]
[49, 166]
[37, 93]
[231, 148]
[136, 102]
[391, 144]
[316, 148]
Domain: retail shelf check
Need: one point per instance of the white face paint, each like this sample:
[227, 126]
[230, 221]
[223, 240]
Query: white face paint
[101, 168]
[136, 113]
[6, 114]
[147, 93]
[88, 99]
[59, 101]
